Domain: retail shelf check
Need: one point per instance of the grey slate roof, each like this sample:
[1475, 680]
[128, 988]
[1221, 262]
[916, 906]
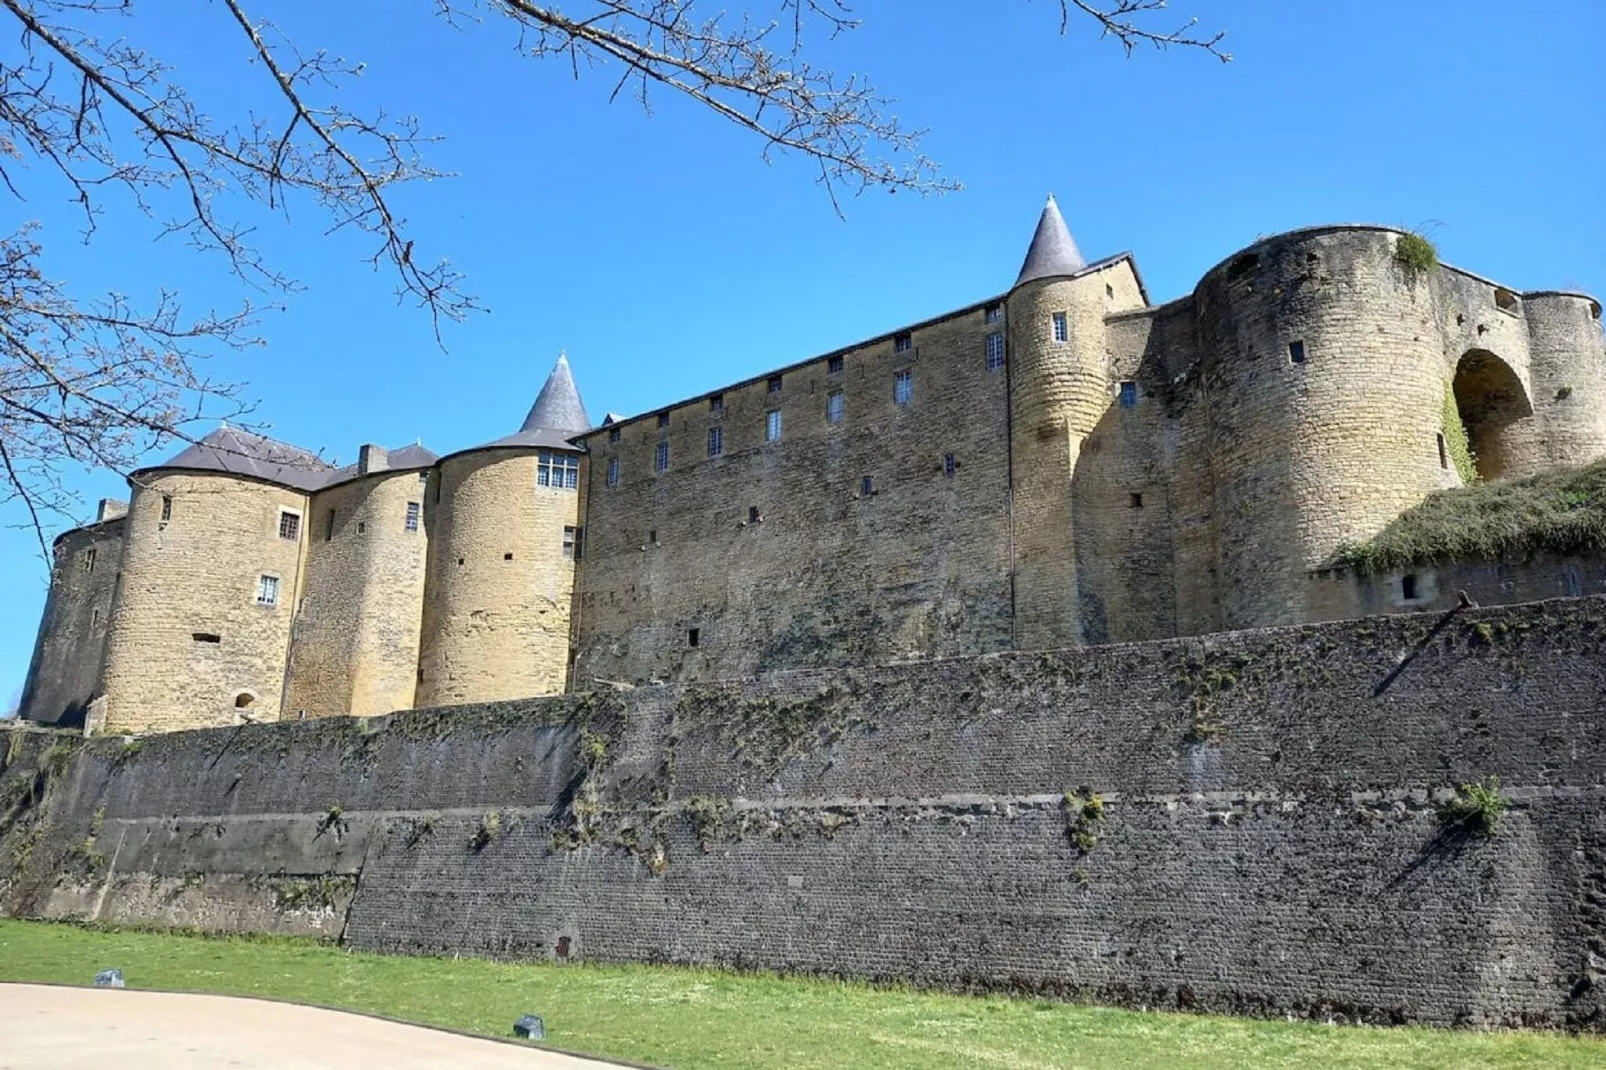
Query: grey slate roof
[242, 453]
[1053, 251]
[557, 416]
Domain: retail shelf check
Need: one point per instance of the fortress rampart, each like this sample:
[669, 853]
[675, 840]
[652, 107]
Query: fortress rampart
[1268, 838]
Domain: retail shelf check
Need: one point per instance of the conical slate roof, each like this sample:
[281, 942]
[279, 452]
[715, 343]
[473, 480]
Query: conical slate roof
[1053, 250]
[557, 415]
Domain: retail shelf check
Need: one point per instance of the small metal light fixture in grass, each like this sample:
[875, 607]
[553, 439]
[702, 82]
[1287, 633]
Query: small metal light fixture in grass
[529, 1027]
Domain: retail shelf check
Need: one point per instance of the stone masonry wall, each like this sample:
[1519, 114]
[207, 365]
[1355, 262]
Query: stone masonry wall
[1266, 839]
[70, 652]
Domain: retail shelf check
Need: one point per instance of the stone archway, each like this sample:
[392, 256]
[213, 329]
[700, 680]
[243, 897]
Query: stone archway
[1492, 402]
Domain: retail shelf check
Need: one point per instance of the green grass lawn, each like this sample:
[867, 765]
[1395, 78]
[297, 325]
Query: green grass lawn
[704, 1018]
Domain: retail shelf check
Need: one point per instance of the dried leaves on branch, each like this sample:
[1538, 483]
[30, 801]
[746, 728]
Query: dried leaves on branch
[82, 109]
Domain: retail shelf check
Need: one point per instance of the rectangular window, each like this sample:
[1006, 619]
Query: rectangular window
[558, 470]
[1062, 331]
[753, 515]
[571, 542]
[993, 314]
[949, 465]
[1444, 452]
[267, 590]
[772, 426]
[1129, 394]
[867, 486]
[660, 458]
[89, 559]
[1296, 352]
[716, 441]
[167, 507]
[413, 511]
[903, 387]
[716, 403]
[1135, 500]
[613, 434]
[995, 351]
[775, 384]
[613, 471]
[833, 366]
[835, 405]
[362, 526]
[289, 525]
[329, 526]
[693, 636]
[902, 343]
[663, 419]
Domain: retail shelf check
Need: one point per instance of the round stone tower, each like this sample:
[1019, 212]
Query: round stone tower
[1059, 389]
[505, 533]
[211, 573]
[1568, 362]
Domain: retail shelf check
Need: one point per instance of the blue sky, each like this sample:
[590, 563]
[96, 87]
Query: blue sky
[667, 258]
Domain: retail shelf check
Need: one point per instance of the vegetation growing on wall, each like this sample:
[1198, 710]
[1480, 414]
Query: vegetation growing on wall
[1456, 443]
[1416, 255]
[1477, 807]
[1561, 513]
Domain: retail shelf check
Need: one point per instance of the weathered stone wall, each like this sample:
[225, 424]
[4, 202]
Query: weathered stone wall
[826, 574]
[355, 649]
[1338, 593]
[1268, 839]
[498, 586]
[70, 653]
[188, 637]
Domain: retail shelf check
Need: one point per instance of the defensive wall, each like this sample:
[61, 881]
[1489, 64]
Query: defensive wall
[1245, 822]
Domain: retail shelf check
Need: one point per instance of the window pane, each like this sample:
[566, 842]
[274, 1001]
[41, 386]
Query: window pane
[613, 471]
[995, 351]
[772, 425]
[835, 404]
[903, 387]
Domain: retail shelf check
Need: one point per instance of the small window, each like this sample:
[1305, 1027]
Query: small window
[775, 384]
[571, 542]
[1444, 451]
[995, 351]
[1296, 352]
[903, 387]
[613, 471]
[1129, 394]
[753, 516]
[89, 559]
[413, 510]
[660, 459]
[362, 526]
[693, 636]
[835, 405]
[994, 313]
[716, 403]
[1135, 500]
[94, 617]
[167, 507]
[289, 525]
[652, 537]
[613, 434]
[267, 590]
[663, 419]
[1062, 330]
[1408, 587]
[508, 556]
[1109, 291]
[716, 441]
[243, 700]
[206, 637]
[833, 366]
[867, 486]
[772, 425]
[329, 526]
[949, 465]
[557, 470]
[1505, 300]
[902, 343]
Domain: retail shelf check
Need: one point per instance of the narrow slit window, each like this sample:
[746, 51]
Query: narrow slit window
[206, 637]
[329, 526]
[753, 516]
[835, 406]
[660, 458]
[89, 559]
[772, 425]
[1129, 394]
[289, 525]
[903, 387]
[267, 590]
[167, 507]
[867, 486]
[613, 471]
[1062, 330]
[693, 636]
[414, 510]
[1444, 451]
[949, 465]
[716, 441]
[362, 526]
[652, 537]
[1296, 352]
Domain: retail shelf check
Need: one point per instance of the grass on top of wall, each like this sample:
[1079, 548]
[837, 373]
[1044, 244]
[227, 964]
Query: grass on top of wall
[690, 1018]
[1561, 512]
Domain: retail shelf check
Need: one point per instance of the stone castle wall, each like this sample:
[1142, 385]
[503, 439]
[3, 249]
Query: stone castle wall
[1269, 840]
[70, 653]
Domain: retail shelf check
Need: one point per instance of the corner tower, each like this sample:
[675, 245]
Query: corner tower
[1059, 390]
[504, 533]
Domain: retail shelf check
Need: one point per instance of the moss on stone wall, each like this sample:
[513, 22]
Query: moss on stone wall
[1456, 443]
[1562, 513]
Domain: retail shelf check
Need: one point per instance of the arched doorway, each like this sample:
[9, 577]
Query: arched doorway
[1492, 401]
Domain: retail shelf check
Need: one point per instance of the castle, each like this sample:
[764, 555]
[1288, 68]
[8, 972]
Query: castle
[1058, 465]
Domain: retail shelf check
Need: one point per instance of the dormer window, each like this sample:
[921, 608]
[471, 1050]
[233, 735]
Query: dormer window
[902, 343]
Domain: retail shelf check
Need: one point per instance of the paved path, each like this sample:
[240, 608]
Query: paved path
[43, 1027]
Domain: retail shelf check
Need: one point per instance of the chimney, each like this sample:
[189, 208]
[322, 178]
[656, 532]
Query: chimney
[372, 458]
[110, 509]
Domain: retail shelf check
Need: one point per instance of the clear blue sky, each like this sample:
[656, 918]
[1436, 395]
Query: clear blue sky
[668, 259]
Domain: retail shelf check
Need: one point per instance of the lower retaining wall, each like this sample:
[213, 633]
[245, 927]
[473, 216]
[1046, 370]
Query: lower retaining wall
[1266, 836]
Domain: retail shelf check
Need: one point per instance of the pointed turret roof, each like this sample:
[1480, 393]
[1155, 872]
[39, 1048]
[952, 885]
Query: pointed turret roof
[1053, 251]
[557, 415]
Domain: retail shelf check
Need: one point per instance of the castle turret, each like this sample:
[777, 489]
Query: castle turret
[505, 531]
